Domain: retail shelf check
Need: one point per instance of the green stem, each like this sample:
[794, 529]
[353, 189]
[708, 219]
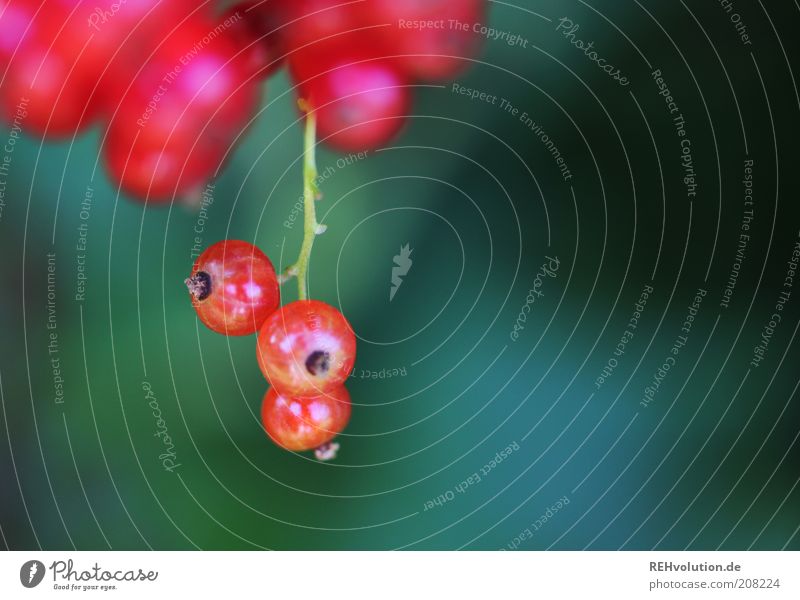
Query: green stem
[311, 193]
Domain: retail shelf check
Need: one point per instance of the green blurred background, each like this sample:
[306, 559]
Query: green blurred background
[712, 462]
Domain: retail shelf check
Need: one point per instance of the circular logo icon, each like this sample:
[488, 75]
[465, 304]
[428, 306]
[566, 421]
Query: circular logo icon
[31, 573]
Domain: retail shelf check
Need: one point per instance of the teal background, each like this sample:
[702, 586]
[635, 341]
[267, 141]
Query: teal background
[711, 463]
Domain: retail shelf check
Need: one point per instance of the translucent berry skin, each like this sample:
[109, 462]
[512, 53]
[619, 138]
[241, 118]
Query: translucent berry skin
[306, 348]
[298, 423]
[359, 105]
[234, 288]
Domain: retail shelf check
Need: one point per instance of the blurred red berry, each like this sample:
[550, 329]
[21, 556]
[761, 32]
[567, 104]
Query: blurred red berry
[179, 87]
[310, 22]
[433, 39]
[182, 113]
[359, 106]
[62, 57]
[16, 23]
[258, 27]
[39, 72]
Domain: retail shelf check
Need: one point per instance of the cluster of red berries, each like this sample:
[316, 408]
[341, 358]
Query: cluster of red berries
[176, 84]
[354, 61]
[306, 349]
[172, 84]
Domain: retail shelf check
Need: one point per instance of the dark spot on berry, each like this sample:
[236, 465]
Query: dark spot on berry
[199, 285]
[318, 362]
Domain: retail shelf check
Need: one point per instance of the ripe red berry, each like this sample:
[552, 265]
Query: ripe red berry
[258, 29]
[359, 105]
[16, 24]
[233, 287]
[62, 52]
[182, 113]
[306, 348]
[304, 423]
[310, 22]
[39, 71]
[438, 47]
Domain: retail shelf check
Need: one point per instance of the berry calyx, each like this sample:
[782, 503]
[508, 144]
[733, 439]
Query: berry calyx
[306, 423]
[234, 288]
[306, 348]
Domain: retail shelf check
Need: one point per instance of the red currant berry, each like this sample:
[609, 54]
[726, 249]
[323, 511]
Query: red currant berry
[16, 23]
[298, 423]
[322, 34]
[123, 36]
[431, 52]
[257, 27]
[181, 114]
[40, 72]
[59, 61]
[310, 22]
[359, 106]
[306, 348]
[233, 287]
